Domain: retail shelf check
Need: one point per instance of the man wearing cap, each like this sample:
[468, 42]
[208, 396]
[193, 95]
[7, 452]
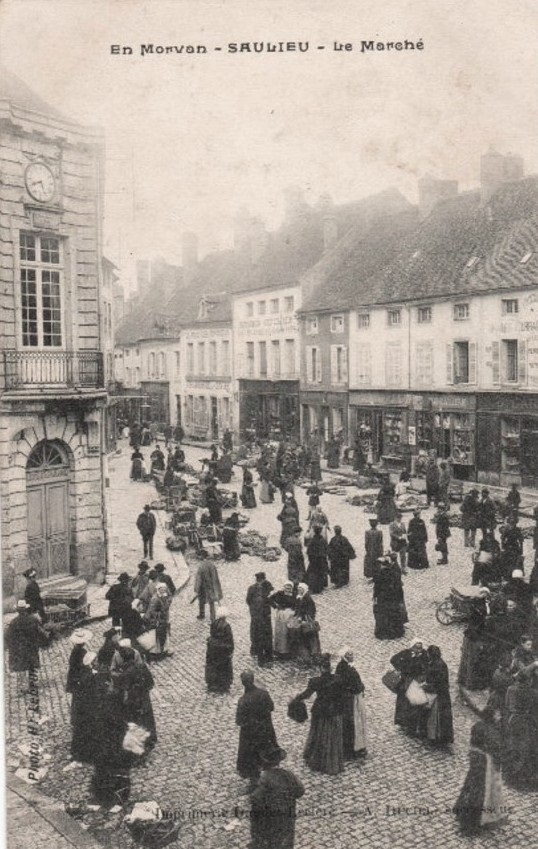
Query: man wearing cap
[261, 635]
[273, 814]
[165, 579]
[141, 580]
[146, 524]
[24, 636]
[32, 594]
[257, 734]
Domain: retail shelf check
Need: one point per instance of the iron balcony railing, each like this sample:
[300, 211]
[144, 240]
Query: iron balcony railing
[61, 369]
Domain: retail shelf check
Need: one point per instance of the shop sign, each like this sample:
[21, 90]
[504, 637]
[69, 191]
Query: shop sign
[446, 403]
[269, 325]
[207, 384]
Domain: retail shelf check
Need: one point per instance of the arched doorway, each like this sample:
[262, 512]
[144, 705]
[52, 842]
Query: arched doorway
[47, 488]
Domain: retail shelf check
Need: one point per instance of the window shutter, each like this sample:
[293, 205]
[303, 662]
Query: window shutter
[309, 375]
[344, 364]
[522, 361]
[334, 365]
[450, 364]
[318, 366]
[495, 362]
[472, 362]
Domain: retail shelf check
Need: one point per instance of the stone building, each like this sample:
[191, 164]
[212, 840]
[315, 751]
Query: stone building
[52, 382]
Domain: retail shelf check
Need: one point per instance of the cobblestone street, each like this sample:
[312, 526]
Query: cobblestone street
[400, 796]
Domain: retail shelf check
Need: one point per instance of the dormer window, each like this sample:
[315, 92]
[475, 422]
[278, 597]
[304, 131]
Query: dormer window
[312, 325]
[337, 323]
[524, 259]
[202, 309]
[472, 262]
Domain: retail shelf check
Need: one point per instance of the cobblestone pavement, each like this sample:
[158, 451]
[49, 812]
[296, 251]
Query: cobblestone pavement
[399, 797]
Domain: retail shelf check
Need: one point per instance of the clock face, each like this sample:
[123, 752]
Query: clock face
[40, 181]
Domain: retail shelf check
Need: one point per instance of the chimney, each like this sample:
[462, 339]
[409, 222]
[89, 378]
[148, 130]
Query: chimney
[432, 191]
[250, 236]
[189, 253]
[330, 226]
[496, 169]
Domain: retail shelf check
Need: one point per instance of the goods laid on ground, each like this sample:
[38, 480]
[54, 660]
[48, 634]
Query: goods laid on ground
[227, 497]
[176, 543]
[255, 544]
[361, 500]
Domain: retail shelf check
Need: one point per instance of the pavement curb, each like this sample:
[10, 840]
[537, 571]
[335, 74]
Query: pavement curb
[54, 817]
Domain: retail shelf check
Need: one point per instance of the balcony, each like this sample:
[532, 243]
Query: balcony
[53, 370]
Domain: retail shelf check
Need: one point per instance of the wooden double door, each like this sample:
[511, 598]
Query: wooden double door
[48, 526]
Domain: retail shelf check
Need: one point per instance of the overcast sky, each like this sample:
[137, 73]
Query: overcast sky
[192, 139]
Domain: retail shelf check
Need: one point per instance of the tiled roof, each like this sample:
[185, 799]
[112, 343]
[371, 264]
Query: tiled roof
[464, 247]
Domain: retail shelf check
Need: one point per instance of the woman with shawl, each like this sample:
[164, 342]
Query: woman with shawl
[220, 649]
[324, 750]
[480, 802]
[412, 664]
[354, 716]
[248, 499]
[439, 725]
[319, 519]
[318, 566]
[305, 638]
[388, 600]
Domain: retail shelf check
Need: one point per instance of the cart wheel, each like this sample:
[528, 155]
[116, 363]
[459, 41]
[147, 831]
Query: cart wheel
[445, 613]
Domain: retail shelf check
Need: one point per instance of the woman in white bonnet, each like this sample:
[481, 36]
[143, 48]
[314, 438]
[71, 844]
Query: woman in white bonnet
[354, 718]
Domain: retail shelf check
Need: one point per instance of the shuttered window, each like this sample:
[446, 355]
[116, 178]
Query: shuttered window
[364, 365]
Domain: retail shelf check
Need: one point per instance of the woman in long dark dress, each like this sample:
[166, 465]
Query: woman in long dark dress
[521, 762]
[439, 725]
[289, 519]
[354, 717]
[388, 596]
[220, 649]
[81, 685]
[340, 553]
[417, 537]
[318, 566]
[324, 750]
[133, 683]
[386, 504]
[224, 468]
[472, 672]
[305, 645]
[296, 565]
[248, 499]
[480, 802]
[111, 775]
[333, 453]
[230, 538]
[412, 664]
[137, 465]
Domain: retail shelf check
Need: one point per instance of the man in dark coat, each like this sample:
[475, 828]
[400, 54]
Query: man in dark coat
[469, 517]
[261, 635]
[257, 733]
[213, 502]
[119, 597]
[32, 594]
[165, 579]
[207, 588]
[273, 814]
[147, 524]
[24, 636]
[227, 440]
[340, 553]
[486, 513]
[442, 530]
[432, 481]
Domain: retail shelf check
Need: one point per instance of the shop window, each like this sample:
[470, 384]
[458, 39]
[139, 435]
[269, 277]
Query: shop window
[392, 430]
[461, 312]
[312, 325]
[338, 364]
[424, 315]
[249, 306]
[394, 318]
[510, 306]
[313, 365]
[250, 359]
[363, 320]
[364, 365]
[510, 445]
[462, 439]
[461, 362]
[337, 323]
[263, 358]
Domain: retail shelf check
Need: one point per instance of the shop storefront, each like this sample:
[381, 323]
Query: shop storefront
[326, 413]
[382, 421]
[507, 439]
[269, 409]
[446, 424]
